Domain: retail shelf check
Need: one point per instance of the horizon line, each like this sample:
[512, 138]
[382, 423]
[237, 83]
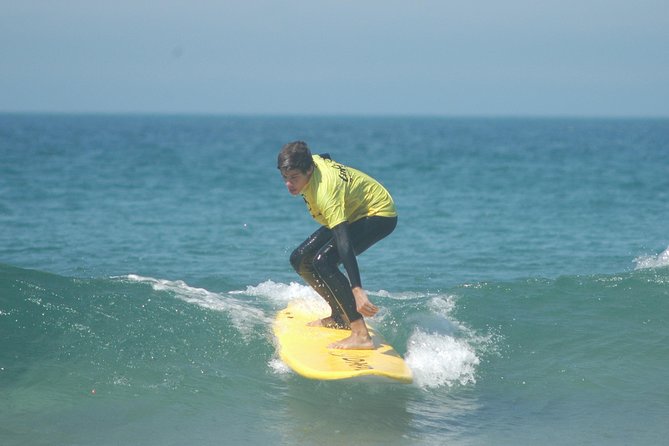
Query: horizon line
[334, 114]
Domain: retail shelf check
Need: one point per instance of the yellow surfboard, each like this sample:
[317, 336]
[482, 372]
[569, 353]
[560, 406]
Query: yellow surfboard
[304, 349]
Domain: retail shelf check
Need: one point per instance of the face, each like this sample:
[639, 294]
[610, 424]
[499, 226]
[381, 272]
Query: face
[295, 180]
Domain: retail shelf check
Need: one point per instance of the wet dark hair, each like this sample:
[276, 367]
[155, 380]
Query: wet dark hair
[295, 155]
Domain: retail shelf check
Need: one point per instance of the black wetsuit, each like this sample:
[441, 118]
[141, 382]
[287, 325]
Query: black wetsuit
[318, 257]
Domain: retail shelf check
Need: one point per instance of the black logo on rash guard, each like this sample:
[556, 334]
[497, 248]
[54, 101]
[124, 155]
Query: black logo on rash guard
[342, 171]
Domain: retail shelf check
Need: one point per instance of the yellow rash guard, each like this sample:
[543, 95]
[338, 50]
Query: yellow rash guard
[337, 193]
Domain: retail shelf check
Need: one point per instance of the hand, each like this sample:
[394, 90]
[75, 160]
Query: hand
[362, 303]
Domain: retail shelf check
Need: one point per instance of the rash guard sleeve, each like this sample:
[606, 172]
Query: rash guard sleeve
[346, 253]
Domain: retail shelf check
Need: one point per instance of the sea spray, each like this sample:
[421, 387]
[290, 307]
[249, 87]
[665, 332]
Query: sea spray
[444, 352]
[653, 261]
[437, 360]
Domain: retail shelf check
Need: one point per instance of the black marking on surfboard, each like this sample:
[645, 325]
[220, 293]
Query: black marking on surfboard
[354, 363]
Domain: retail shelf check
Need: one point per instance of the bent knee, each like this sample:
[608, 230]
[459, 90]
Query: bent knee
[324, 264]
[296, 259]
[302, 262]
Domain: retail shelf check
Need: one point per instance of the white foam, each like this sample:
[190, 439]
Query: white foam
[437, 360]
[278, 367]
[408, 295]
[442, 305]
[244, 317]
[659, 261]
[445, 358]
[280, 294]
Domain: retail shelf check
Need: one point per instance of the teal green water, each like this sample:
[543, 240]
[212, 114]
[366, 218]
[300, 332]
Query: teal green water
[143, 258]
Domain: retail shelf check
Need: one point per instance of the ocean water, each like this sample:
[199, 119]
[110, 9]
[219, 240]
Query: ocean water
[143, 258]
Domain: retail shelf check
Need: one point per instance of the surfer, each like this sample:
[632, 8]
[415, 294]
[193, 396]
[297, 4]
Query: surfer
[355, 212]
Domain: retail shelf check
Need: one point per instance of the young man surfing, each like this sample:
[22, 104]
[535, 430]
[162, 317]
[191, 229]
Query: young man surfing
[355, 212]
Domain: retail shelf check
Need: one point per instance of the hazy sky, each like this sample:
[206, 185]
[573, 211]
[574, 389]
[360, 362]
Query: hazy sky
[475, 57]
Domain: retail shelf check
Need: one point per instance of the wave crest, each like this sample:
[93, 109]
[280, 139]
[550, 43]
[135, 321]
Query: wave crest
[653, 261]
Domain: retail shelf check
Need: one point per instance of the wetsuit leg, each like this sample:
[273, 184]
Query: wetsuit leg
[326, 265]
[363, 233]
[302, 259]
[367, 231]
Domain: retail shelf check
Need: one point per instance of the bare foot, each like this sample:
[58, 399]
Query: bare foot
[359, 339]
[354, 342]
[328, 322]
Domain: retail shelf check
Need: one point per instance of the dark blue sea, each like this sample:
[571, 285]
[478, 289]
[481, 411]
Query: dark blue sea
[143, 259]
